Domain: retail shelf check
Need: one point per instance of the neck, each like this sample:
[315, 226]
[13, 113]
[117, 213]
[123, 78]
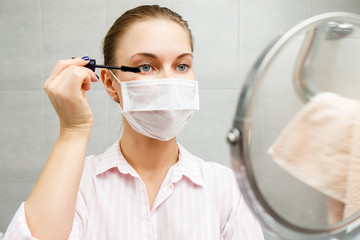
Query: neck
[147, 155]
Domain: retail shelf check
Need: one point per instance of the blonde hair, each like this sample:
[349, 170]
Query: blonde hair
[141, 13]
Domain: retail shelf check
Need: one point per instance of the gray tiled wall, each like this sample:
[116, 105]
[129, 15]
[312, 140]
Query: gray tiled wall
[34, 34]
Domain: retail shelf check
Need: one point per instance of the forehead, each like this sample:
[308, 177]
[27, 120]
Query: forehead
[156, 36]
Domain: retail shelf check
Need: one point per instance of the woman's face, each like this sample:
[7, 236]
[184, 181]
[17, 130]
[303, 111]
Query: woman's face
[160, 48]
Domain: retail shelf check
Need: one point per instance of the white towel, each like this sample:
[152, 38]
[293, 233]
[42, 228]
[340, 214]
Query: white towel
[321, 147]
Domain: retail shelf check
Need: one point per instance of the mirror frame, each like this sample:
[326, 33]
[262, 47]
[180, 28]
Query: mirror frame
[239, 139]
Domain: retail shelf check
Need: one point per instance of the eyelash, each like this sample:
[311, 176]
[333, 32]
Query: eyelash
[152, 68]
[186, 65]
[142, 65]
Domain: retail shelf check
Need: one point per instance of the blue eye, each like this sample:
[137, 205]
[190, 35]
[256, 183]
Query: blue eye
[182, 67]
[145, 68]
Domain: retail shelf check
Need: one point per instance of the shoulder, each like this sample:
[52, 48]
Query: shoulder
[93, 164]
[214, 169]
[216, 177]
[97, 164]
[88, 177]
[210, 171]
[216, 172]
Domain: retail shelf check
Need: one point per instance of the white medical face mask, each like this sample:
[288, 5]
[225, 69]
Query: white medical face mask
[159, 108]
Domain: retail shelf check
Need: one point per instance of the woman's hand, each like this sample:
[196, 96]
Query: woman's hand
[66, 87]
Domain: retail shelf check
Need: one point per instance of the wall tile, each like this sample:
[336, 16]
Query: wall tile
[115, 8]
[11, 196]
[20, 41]
[263, 21]
[21, 135]
[336, 67]
[214, 25]
[206, 134]
[72, 29]
[323, 6]
[98, 142]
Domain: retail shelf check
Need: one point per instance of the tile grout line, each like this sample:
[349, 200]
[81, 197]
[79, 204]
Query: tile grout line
[307, 8]
[107, 105]
[238, 84]
[42, 77]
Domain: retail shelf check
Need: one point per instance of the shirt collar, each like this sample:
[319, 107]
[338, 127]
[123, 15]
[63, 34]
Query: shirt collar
[112, 158]
[187, 165]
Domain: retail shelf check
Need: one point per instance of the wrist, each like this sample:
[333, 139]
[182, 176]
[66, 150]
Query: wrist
[77, 133]
[80, 128]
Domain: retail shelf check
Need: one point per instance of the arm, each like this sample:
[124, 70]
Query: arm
[18, 227]
[50, 207]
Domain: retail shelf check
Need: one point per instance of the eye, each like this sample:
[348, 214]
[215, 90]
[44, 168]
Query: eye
[145, 68]
[182, 67]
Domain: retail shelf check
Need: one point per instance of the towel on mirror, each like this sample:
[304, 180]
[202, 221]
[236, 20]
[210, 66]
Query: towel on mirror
[321, 147]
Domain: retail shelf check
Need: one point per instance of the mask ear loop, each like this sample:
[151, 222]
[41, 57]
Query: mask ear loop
[114, 98]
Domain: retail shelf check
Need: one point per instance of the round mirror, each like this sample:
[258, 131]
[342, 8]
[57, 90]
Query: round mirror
[295, 142]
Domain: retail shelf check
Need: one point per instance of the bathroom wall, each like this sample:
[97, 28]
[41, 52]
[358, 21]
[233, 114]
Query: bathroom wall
[34, 34]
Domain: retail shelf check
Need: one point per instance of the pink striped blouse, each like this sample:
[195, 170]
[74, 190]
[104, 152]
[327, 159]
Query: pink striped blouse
[197, 200]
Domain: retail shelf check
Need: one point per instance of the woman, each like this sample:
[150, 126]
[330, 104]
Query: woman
[146, 186]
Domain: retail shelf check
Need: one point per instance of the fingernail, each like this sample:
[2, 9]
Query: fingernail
[97, 76]
[85, 58]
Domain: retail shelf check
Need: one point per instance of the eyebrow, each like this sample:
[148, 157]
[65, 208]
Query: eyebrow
[151, 55]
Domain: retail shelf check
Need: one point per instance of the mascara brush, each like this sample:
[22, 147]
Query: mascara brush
[92, 65]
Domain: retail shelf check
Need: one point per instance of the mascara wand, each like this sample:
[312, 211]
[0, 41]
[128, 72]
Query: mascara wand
[92, 65]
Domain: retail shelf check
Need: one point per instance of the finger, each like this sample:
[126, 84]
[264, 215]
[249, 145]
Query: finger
[62, 64]
[75, 78]
[86, 84]
[93, 76]
[72, 78]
